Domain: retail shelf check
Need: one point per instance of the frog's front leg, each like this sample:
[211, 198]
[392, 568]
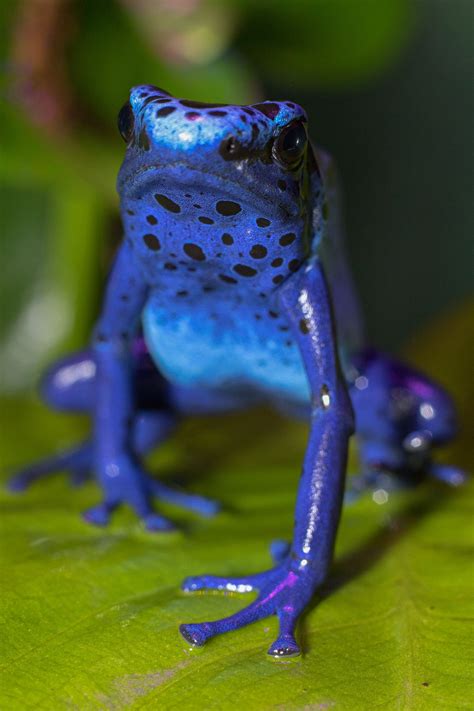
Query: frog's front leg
[116, 466]
[149, 430]
[286, 589]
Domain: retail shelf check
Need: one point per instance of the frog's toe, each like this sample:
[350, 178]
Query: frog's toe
[199, 633]
[284, 647]
[99, 515]
[191, 502]
[154, 522]
[222, 584]
[22, 480]
[281, 592]
[196, 634]
[448, 474]
[77, 461]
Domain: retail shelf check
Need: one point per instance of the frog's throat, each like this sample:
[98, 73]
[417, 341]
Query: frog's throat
[132, 183]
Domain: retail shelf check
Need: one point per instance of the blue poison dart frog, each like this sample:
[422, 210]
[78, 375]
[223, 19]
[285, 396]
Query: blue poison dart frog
[231, 288]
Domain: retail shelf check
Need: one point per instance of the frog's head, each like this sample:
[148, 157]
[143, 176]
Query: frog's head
[267, 140]
[245, 170]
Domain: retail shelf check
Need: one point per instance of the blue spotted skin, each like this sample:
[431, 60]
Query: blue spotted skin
[233, 268]
[214, 238]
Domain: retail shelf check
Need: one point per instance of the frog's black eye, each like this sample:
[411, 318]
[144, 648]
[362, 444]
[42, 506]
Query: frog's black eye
[126, 122]
[290, 144]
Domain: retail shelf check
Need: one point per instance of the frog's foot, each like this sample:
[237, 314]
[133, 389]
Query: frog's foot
[281, 591]
[100, 514]
[448, 474]
[192, 502]
[127, 484]
[77, 461]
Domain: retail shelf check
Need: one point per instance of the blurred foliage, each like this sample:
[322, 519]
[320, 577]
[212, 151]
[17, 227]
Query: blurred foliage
[325, 43]
[93, 614]
[68, 68]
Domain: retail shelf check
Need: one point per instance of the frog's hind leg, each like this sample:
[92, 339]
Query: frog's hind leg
[401, 416]
[68, 386]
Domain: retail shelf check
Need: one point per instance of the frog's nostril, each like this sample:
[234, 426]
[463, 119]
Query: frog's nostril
[231, 149]
[229, 146]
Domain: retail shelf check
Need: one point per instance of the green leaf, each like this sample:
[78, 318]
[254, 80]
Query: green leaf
[90, 617]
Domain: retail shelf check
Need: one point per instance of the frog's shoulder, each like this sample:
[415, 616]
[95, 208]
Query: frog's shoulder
[325, 161]
[329, 244]
[330, 180]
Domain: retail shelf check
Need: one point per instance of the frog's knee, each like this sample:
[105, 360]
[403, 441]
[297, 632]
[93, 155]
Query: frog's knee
[68, 383]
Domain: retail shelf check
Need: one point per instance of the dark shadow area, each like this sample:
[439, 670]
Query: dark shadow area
[361, 559]
[210, 444]
[403, 145]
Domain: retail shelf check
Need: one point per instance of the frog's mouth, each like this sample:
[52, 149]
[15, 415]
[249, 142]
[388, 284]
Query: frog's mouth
[136, 181]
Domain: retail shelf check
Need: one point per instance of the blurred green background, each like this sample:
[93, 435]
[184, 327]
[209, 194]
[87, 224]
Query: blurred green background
[387, 84]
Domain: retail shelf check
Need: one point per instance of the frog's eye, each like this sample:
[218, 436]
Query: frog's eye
[126, 122]
[290, 144]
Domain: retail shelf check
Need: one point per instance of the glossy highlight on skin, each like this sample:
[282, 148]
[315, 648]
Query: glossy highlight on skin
[231, 288]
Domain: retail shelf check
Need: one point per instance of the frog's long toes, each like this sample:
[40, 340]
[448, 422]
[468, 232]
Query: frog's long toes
[208, 507]
[77, 460]
[98, 515]
[196, 634]
[214, 582]
[18, 482]
[26, 477]
[448, 474]
[284, 647]
[200, 633]
[192, 502]
[155, 523]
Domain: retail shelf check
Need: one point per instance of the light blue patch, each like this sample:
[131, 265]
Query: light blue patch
[195, 349]
[178, 132]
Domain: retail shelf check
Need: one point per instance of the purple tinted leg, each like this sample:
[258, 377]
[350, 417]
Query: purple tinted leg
[69, 386]
[278, 594]
[286, 589]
